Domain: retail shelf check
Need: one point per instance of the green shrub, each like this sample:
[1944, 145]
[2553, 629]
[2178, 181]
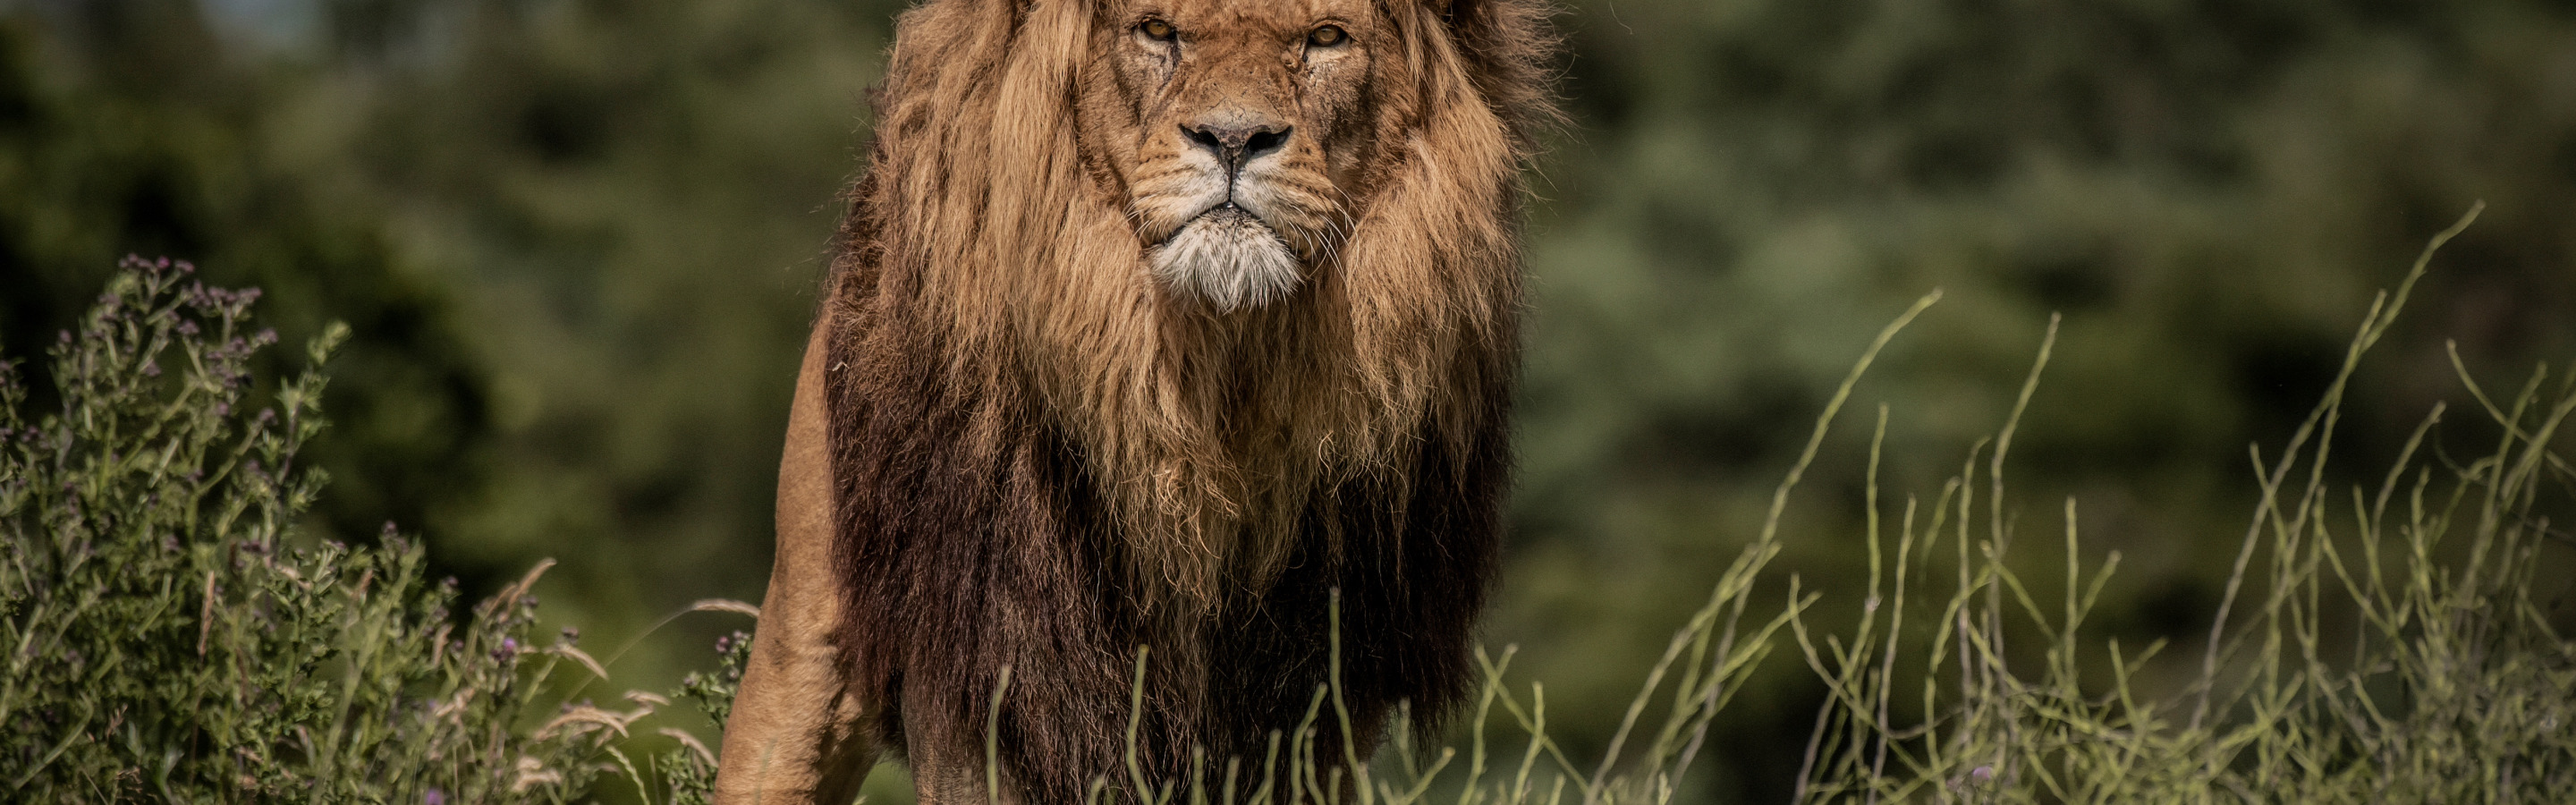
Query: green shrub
[170, 640]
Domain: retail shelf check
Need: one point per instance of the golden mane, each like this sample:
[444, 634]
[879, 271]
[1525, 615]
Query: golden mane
[985, 216]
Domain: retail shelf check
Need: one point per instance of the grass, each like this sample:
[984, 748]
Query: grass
[2445, 683]
[2387, 642]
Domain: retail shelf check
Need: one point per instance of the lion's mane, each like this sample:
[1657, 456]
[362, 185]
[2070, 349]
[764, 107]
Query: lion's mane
[1041, 463]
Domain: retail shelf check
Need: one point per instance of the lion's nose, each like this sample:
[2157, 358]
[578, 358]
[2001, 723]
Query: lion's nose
[1238, 141]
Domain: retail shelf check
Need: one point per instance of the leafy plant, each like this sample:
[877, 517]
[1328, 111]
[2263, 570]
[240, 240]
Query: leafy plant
[169, 638]
[689, 769]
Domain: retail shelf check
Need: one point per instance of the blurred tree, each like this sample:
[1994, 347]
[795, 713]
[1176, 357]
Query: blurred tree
[129, 127]
[636, 194]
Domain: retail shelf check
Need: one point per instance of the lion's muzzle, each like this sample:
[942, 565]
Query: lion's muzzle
[1228, 259]
[1229, 252]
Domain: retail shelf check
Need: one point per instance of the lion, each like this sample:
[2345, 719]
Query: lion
[1157, 332]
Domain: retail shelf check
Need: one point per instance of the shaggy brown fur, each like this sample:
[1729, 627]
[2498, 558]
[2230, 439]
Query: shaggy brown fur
[1041, 458]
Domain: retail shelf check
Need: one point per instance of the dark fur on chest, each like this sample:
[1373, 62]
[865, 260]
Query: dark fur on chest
[971, 537]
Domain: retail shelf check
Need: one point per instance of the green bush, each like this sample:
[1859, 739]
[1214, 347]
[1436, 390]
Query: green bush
[171, 640]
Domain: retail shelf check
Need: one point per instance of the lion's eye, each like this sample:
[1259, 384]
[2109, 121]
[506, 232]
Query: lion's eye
[1327, 36]
[1158, 30]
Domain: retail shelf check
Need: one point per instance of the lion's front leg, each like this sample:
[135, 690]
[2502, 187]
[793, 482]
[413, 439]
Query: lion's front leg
[796, 734]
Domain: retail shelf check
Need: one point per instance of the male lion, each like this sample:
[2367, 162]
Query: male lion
[1153, 323]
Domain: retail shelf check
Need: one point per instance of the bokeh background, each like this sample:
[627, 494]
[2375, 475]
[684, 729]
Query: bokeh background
[578, 241]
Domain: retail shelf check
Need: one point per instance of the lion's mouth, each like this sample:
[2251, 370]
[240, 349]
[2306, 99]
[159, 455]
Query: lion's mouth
[1224, 216]
[1228, 258]
[1230, 214]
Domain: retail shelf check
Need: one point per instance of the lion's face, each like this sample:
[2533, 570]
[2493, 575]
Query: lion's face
[1237, 129]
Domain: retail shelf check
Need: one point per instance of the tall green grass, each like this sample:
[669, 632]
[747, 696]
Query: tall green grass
[2445, 681]
[169, 639]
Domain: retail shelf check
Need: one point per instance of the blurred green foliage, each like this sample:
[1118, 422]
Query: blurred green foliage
[576, 241]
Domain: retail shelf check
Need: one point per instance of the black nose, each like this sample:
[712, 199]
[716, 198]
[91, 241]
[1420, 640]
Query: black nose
[1236, 142]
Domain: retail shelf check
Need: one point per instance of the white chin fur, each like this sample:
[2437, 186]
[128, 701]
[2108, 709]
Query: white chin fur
[1228, 260]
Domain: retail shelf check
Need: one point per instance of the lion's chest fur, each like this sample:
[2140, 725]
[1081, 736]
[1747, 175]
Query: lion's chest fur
[984, 523]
